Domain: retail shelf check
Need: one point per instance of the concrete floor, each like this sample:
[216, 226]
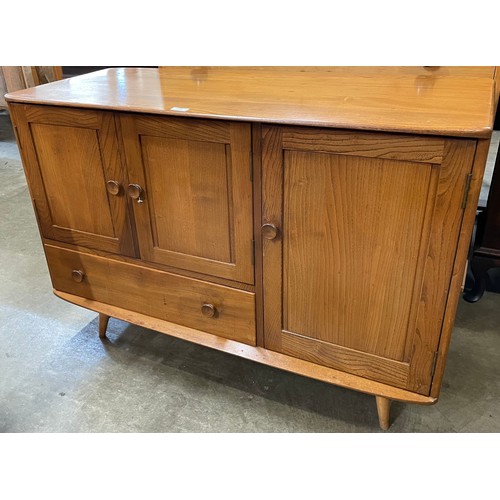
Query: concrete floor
[57, 376]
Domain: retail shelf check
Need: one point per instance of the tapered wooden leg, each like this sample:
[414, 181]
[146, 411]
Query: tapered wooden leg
[103, 324]
[383, 409]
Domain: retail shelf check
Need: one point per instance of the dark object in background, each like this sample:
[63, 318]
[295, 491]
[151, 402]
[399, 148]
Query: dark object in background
[69, 71]
[484, 260]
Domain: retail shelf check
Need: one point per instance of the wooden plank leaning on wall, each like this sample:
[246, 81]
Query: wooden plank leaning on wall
[3, 91]
[14, 78]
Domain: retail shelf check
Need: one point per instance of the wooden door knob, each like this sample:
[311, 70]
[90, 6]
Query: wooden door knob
[113, 187]
[77, 275]
[135, 192]
[208, 310]
[269, 231]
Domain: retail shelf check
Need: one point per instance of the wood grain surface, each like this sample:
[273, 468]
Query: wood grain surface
[150, 265]
[439, 261]
[257, 354]
[73, 176]
[68, 157]
[197, 210]
[335, 228]
[358, 276]
[460, 261]
[257, 218]
[370, 145]
[352, 229]
[352, 361]
[383, 410]
[190, 196]
[155, 293]
[272, 256]
[422, 100]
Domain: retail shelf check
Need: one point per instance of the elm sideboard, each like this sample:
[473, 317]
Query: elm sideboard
[312, 219]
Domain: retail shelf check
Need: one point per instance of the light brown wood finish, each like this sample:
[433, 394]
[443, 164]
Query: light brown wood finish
[355, 361]
[103, 325]
[202, 72]
[180, 173]
[196, 177]
[22, 77]
[57, 72]
[383, 410]
[423, 101]
[150, 265]
[352, 229]
[460, 261]
[357, 277]
[439, 259]
[159, 294]
[370, 145]
[68, 156]
[3, 90]
[257, 217]
[272, 213]
[14, 78]
[361, 234]
[74, 197]
[257, 354]
[497, 85]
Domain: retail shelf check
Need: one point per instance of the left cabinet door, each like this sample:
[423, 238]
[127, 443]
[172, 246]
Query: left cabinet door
[75, 175]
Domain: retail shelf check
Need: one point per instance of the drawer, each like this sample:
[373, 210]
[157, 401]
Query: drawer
[212, 308]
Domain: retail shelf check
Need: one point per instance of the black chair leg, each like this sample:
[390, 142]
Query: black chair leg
[479, 268]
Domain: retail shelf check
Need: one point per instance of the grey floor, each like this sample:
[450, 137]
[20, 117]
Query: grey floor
[57, 376]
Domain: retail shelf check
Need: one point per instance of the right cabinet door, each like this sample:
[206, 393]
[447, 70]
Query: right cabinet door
[359, 238]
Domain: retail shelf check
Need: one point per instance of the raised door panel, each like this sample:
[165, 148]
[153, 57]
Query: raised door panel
[344, 249]
[70, 156]
[189, 199]
[195, 211]
[349, 280]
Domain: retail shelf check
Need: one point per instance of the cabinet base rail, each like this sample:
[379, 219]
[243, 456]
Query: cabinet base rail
[384, 393]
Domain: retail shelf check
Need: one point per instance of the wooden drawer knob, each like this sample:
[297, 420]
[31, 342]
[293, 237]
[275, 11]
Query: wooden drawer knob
[77, 275]
[113, 187]
[208, 310]
[269, 231]
[136, 192]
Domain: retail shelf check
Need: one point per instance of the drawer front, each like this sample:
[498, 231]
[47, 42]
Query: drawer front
[212, 308]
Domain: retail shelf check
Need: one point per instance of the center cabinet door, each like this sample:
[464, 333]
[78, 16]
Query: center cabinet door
[193, 188]
[359, 236]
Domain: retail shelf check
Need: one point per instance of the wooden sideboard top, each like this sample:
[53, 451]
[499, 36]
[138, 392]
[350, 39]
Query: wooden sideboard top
[453, 101]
